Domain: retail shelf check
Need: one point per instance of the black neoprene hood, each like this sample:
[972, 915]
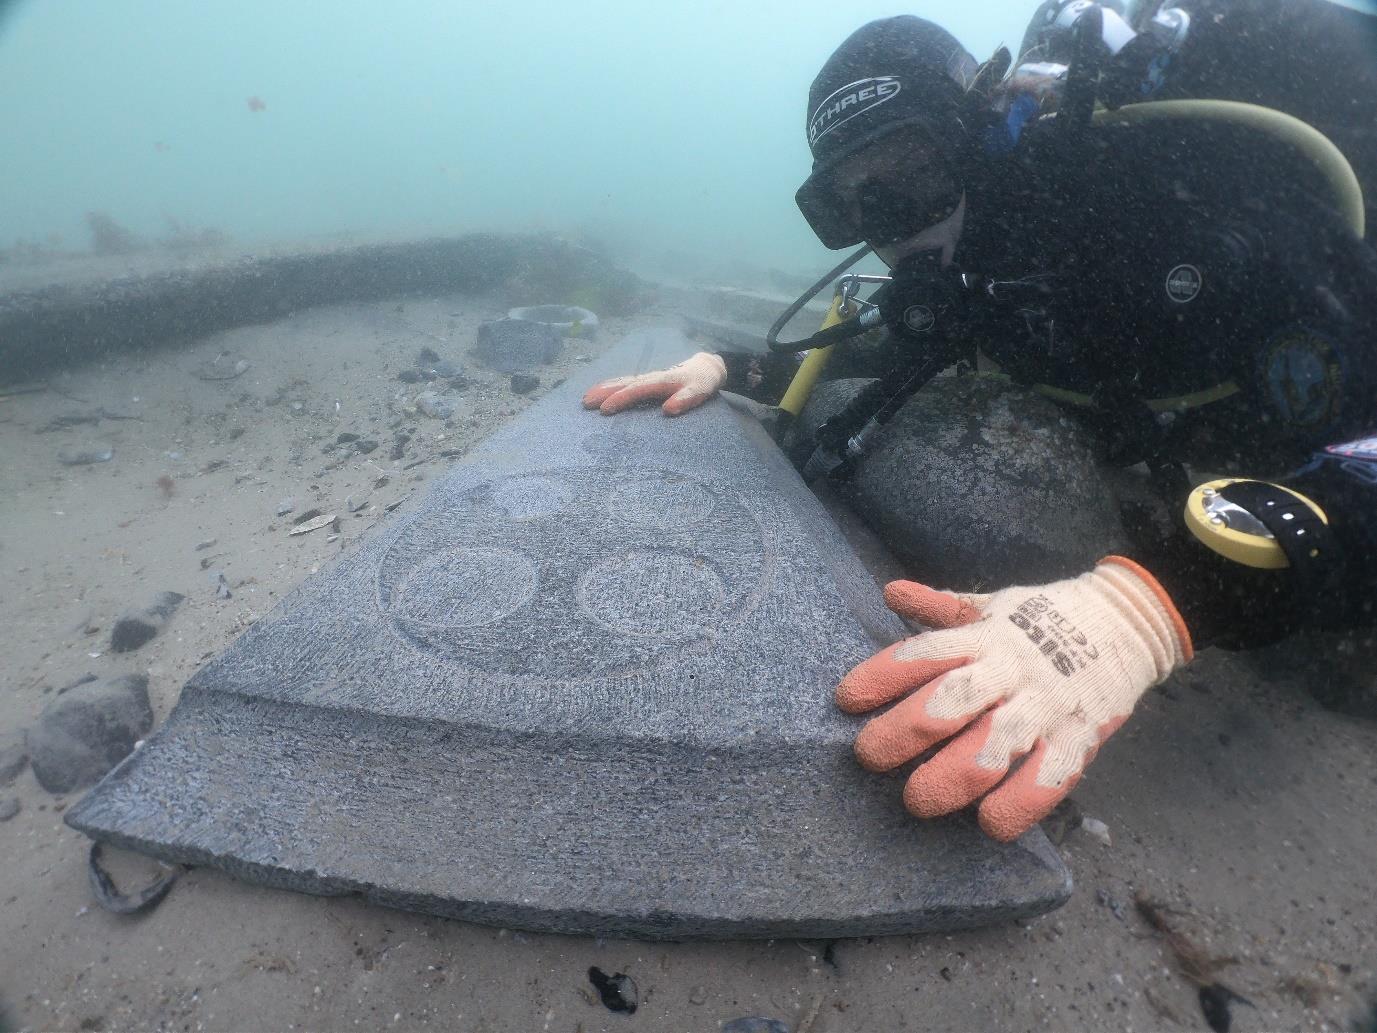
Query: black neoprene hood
[891, 73]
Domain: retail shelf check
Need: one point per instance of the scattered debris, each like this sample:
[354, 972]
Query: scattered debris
[9, 808]
[222, 588]
[524, 383]
[1195, 962]
[83, 734]
[1096, 830]
[325, 520]
[220, 368]
[1115, 905]
[618, 991]
[76, 419]
[132, 630]
[1063, 819]
[85, 455]
[1216, 1001]
[85, 679]
[434, 405]
[111, 899]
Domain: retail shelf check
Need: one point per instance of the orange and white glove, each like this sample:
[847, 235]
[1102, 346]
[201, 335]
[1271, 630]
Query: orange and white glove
[684, 387]
[1047, 672]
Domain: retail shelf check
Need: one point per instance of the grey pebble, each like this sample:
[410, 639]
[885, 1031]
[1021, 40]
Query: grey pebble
[83, 734]
[286, 506]
[133, 629]
[9, 808]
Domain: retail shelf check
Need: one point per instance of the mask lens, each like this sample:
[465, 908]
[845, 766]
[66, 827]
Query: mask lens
[891, 213]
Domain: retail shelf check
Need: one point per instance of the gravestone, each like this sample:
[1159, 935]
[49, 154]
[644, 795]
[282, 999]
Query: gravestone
[586, 687]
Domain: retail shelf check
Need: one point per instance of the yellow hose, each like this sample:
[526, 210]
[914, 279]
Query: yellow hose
[812, 366]
[1327, 159]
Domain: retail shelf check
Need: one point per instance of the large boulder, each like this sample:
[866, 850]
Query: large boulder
[978, 483]
[87, 731]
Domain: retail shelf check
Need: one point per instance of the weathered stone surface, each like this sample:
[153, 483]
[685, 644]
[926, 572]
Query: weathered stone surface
[512, 345]
[978, 483]
[132, 630]
[85, 732]
[9, 808]
[586, 686]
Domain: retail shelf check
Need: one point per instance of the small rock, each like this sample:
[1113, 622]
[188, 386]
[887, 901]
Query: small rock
[13, 757]
[365, 446]
[524, 383]
[286, 506]
[353, 505]
[133, 629]
[347, 437]
[382, 482]
[427, 357]
[509, 345]
[9, 808]
[698, 994]
[209, 543]
[329, 520]
[434, 405]
[410, 376]
[85, 455]
[310, 514]
[1115, 905]
[618, 991]
[222, 589]
[83, 734]
[1097, 830]
[236, 433]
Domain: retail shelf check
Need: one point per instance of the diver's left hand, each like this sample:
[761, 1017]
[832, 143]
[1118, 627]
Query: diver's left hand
[1049, 672]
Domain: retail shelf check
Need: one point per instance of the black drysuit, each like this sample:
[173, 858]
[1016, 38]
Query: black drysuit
[1190, 291]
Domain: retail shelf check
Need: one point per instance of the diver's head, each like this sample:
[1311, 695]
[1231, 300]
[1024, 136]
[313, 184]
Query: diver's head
[888, 134]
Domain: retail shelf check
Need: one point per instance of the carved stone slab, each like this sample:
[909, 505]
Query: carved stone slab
[584, 687]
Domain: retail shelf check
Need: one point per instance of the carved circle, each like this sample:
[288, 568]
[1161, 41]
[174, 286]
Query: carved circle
[528, 498]
[662, 502]
[653, 594]
[458, 588]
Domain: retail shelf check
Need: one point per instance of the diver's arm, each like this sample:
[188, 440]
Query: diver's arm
[763, 377]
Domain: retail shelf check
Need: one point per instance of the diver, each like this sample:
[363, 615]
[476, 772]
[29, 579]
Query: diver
[1190, 279]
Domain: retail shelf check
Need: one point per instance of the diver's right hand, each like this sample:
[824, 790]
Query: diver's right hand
[684, 387]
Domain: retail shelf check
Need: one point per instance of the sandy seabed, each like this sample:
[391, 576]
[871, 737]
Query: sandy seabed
[1238, 808]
